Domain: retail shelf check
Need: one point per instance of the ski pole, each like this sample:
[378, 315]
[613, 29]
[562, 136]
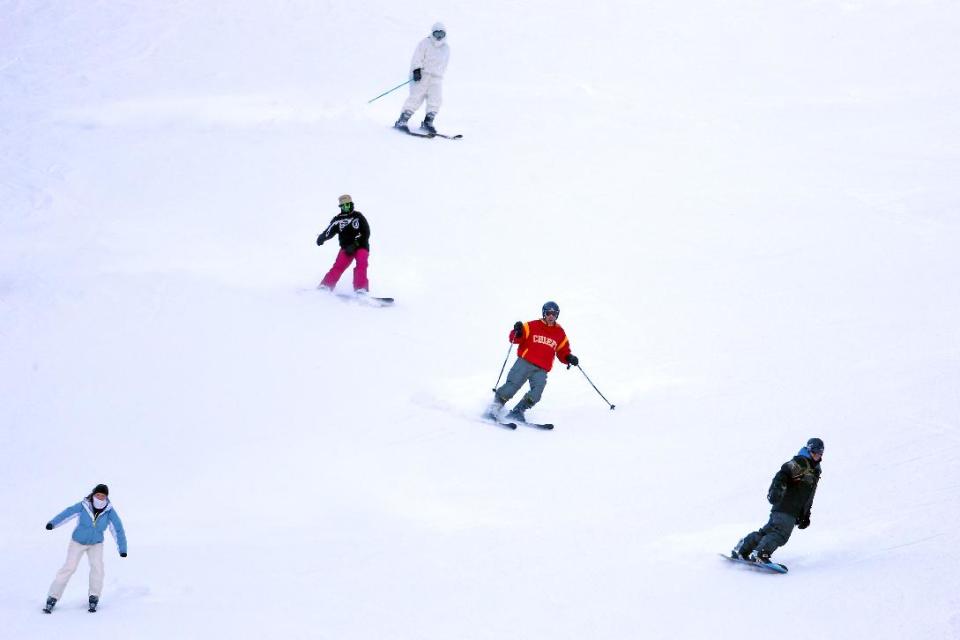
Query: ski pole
[612, 407]
[509, 349]
[390, 91]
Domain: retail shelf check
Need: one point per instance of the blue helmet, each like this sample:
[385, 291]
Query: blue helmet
[552, 307]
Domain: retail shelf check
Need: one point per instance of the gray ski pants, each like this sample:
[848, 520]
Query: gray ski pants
[521, 372]
[770, 536]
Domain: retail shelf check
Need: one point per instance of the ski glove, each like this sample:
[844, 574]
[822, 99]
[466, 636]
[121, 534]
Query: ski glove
[803, 522]
[49, 526]
[573, 360]
[518, 329]
[123, 555]
[417, 74]
[320, 240]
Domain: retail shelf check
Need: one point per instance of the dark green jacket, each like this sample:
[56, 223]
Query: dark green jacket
[800, 475]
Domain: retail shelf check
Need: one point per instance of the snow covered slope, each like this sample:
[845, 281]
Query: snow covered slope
[746, 211]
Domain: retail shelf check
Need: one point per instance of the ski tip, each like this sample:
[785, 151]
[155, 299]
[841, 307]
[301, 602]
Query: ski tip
[545, 426]
[505, 425]
[539, 425]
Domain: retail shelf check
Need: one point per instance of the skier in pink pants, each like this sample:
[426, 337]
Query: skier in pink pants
[354, 234]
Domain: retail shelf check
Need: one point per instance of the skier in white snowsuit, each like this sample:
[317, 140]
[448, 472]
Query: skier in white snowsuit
[427, 68]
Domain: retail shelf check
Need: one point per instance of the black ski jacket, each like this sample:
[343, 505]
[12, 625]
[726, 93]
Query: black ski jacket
[353, 230]
[800, 476]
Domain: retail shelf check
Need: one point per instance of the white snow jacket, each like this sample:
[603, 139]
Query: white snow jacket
[431, 55]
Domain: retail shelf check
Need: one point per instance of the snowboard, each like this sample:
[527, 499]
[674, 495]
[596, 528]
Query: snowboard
[369, 301]
[774, 567]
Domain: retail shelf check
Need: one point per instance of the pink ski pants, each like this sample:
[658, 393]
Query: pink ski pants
[340, 265]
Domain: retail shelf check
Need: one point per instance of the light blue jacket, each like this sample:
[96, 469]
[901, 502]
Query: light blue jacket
[90, 528]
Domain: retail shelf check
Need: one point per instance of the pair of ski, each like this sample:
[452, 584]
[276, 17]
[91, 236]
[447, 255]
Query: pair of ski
[417, 134]
[775, 567]
[546, 426]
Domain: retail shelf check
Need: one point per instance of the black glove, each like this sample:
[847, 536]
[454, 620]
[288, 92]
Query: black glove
[49, 526]
[320, 240]
[573, 360]
[803, 522]
[123, 554]
[417, 74]
[517, 328]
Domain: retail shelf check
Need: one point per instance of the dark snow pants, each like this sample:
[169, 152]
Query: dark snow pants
[770, 536]
[520, 372]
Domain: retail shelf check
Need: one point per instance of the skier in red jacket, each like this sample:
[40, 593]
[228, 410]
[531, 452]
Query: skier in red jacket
[538, 342]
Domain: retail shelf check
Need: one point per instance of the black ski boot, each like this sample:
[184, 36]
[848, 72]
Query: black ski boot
[493, 411]
[760, 555]
[94, 601]
[517, 413]
[739, 553]
[427, 124]
[51, 603]
[401, 122]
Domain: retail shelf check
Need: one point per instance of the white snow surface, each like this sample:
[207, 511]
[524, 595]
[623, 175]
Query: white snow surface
[747, 211]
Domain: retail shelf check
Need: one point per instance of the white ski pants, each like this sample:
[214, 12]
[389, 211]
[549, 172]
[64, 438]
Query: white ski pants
[74, 552]
[430, 88]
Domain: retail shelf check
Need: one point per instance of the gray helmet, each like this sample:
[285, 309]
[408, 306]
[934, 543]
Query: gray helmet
[815, 445]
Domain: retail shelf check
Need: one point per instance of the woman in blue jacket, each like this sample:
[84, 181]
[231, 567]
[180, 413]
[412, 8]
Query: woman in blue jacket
[95, 514]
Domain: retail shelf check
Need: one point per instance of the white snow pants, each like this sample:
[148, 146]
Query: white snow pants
[430, 88]
[74, 552]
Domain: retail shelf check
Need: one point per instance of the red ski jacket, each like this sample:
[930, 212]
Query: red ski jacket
[540, 342]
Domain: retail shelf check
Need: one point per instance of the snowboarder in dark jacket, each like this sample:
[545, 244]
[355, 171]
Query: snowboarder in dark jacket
[791, 494]
[354, 234]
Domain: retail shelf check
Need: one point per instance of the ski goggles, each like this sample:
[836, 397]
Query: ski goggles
[551, 312]
[439, 35]
[346, 206]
